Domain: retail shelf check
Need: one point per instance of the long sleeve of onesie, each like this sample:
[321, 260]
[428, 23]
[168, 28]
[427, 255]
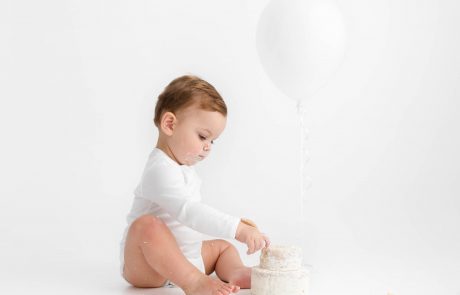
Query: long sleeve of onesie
[177, 193]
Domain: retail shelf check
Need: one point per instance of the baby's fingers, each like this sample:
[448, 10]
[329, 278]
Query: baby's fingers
[251, 246]
[267, 241]
[260, 243]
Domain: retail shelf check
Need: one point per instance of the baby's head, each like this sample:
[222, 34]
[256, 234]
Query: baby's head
[190, 114]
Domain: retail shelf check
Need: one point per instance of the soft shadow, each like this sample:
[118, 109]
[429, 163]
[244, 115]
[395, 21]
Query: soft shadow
[129, 290]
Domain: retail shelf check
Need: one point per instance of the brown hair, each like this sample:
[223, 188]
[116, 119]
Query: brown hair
[185, 91]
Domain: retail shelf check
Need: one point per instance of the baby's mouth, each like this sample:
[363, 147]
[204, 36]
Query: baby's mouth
[196, 158]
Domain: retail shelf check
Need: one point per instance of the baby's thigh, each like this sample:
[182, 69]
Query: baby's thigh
[136, 269]
[210, 252]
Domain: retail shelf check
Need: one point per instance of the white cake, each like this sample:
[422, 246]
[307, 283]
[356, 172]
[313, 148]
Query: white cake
[280, 272]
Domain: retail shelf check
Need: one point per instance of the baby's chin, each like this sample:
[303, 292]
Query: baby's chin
[192, 160]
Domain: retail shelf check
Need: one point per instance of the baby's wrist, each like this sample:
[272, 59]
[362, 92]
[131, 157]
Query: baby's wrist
[241, 231]
[248, 222]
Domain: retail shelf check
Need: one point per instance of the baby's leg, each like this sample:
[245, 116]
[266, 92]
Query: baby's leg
[222, 257]
[152, 256]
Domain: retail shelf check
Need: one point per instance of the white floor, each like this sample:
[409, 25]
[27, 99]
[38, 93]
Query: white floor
[70, 277]
[166, 291]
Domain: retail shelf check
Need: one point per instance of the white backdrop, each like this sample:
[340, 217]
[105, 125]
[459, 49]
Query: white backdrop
[78, 84]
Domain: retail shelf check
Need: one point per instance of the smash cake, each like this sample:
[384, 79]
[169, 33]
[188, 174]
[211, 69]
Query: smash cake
[280, 272]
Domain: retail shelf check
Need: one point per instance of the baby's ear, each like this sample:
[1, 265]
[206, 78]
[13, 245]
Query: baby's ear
[168, 122]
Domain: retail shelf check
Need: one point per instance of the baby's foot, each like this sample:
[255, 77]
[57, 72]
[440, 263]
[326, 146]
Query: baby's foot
[241, 277]
[207, 286]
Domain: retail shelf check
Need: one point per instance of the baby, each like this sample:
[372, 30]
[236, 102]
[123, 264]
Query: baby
[163, 242]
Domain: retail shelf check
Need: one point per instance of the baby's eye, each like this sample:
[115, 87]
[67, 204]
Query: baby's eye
[202, 137]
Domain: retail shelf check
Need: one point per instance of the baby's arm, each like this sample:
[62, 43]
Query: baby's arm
[165, 188]
[248, 233]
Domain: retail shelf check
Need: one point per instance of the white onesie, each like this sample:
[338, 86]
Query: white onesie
[171, 192]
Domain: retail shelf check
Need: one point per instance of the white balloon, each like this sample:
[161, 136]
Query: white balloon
[301, 43]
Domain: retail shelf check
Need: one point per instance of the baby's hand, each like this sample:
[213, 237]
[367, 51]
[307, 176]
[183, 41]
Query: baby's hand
[248, 233]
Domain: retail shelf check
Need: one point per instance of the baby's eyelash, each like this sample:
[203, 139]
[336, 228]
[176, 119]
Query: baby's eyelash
[204, 138]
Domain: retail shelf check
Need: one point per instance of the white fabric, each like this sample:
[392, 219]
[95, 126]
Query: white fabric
[171, 192]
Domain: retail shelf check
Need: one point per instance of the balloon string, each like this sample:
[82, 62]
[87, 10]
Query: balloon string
[305, 181]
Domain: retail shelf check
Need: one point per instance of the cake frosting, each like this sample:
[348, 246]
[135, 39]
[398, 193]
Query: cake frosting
[281, 258]
[280, 272]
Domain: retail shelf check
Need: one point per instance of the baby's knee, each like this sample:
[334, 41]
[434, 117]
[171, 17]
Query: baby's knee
[146, 224]
[223, 244]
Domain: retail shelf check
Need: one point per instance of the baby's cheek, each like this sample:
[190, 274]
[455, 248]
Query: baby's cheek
[191, 158]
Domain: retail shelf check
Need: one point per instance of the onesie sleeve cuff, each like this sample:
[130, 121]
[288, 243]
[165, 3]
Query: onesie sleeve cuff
[233, 227]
